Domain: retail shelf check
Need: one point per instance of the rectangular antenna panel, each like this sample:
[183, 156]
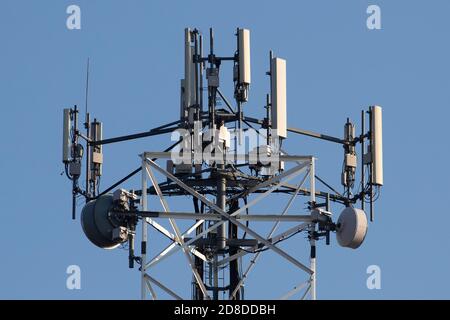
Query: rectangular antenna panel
[189, 71]
[278, 96]
[244, 56]
[66, 136]
[192, 86]
[377, 145]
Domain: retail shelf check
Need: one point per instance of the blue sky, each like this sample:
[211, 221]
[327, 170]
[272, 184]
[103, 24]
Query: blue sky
[336, 67]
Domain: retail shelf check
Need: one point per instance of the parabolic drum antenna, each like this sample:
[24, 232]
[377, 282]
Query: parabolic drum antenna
[226, 163]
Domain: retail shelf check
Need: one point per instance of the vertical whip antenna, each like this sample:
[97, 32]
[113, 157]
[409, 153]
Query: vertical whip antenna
[87, 88]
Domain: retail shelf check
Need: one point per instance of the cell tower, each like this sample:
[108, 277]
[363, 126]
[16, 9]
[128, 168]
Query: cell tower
[227, 163]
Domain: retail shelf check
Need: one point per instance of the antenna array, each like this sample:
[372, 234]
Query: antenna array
[213, 163]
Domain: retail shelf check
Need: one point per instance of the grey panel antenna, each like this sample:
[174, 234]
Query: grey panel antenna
[66, 136]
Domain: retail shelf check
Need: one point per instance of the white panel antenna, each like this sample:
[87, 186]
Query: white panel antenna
[278, 94]
[242, 70]
[377, 145]
[244, 57]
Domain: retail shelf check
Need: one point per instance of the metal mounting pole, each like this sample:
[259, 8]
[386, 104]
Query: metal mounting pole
[144, 228]
[87, 123]
[211, 90]
[221, 203]
[88, 155]
[362, 158]
[234, 267]
[371, 164]
[197, 292]
[221, 230]
[313, 262]
[74, 143]
[238, 102]
[201, 67]
[312, 230]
